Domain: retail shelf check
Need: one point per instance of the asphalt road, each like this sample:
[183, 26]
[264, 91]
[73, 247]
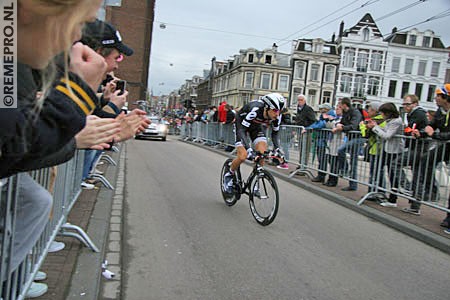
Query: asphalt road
[182, 242]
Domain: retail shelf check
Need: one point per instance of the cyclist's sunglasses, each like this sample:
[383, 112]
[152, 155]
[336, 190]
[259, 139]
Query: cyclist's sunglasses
[276, 110]
[120, 58]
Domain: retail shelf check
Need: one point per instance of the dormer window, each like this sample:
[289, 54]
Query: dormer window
[268, 59]
[426, 41]
[250, 58]
[412, 40]
[366, 34]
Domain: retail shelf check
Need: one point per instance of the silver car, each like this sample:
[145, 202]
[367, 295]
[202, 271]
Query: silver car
[158, 128]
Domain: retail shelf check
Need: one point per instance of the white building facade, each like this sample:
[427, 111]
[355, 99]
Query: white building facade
[416, 64]
[363, 54]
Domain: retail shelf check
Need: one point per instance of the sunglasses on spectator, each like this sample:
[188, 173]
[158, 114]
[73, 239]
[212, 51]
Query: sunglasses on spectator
[406, 104]
[119, 58]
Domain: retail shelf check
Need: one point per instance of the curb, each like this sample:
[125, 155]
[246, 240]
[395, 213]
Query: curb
[87, 281]
[423, 235]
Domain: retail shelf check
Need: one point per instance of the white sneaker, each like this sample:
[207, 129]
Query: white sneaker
[40, 276]
[87, 186]
[56, 246]
[36, 290]
[388, 204]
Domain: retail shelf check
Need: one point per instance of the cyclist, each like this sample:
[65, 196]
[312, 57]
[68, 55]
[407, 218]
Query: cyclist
[266, 110]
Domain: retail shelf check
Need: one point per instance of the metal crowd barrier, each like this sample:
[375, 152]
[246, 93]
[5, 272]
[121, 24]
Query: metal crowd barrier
[64, 182]
[420, 172]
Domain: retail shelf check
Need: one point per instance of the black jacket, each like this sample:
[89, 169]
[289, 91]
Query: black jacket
[351, 119]
[28, 136]
[417, 119]
[305, 116]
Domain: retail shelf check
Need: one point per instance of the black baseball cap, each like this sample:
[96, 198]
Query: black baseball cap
[99, 34]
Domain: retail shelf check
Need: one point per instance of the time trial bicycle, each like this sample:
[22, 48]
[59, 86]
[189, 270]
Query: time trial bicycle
[260, 186]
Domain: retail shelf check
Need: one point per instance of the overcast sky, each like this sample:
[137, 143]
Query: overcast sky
[197, 30]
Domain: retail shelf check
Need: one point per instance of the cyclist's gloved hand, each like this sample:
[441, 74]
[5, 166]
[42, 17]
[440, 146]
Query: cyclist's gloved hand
[251, 154]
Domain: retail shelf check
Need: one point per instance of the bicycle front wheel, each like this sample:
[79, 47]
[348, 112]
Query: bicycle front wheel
[264, 198]
[230, 199]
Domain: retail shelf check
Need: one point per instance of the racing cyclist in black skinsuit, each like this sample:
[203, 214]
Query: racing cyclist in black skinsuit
[266, 110]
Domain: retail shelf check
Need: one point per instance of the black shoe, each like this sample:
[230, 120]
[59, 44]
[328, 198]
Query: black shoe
[444, 224]
[348, 188]
[318, 179]
[330, 184]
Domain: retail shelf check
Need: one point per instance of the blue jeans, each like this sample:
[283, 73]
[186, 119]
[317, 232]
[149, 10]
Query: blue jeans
[353, 147]
[89, 156]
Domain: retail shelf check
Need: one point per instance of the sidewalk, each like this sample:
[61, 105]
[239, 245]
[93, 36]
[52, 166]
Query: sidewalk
[69, 274]
[75, 273]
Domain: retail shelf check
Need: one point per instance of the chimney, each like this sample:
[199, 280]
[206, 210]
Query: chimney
[394, 30]
[341, 29]
[274, 47]
[333, 37]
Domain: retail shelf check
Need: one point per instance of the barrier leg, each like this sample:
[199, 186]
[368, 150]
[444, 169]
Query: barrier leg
[81, 235]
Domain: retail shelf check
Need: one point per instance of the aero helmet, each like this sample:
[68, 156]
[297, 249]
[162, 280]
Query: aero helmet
[273, 101]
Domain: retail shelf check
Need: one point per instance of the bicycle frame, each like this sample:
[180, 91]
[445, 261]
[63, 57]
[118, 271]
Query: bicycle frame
[244, 186]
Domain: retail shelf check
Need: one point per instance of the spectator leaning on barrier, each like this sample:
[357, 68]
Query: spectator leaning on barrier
[439, 129]
[350, 122]
[305, 116]
[372, 153]
[326, 114]
[334, 142]
[416, 146]
[393, 146]
[42, 133]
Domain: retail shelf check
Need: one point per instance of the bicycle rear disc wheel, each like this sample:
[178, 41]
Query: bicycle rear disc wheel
[230, 199]
[264, 198]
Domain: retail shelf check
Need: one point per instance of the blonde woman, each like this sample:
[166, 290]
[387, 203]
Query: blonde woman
[41, 132]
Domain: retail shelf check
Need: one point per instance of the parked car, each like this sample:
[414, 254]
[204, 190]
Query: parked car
[158, 128]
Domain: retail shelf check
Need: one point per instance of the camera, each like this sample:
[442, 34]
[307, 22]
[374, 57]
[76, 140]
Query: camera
[121, 85]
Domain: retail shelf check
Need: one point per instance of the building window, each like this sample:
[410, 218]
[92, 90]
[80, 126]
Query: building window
[395, 65]
[392, 87]
[250, 58]
[430, 95]
[373, 86]
[326, 97]
[268, 59]
[377, 58]
[283, 82]
[435, 69]
[418, 92]
[326, 49]
[349, 57]
[248, 80]
[346, 83]
[315, 72]
[299, 69]
[405, 88]
[361, 65]
[312, 97]
[422, 67]
[329, 73]
[426, 41]
[412, 40]
[266, 79]
[408, 65]
[308, 47]
[366, 34]
[359, 86]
